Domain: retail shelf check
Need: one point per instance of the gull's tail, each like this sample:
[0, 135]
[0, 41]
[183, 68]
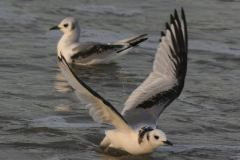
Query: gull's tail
[134, 39]
[128, 44]
[132, 42]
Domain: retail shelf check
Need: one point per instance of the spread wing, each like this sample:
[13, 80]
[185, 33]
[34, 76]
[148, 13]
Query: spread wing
[165, 82]
[100, 109]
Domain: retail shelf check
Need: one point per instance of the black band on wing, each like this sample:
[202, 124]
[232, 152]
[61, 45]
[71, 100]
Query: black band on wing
[61, 59]
[96, 49]
[163, 98]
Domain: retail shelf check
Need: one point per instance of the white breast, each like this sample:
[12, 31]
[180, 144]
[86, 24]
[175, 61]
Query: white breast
[128, 142]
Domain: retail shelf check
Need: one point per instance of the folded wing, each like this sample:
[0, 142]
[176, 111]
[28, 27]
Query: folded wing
[86, 50]
[165, 82]
[100, 109]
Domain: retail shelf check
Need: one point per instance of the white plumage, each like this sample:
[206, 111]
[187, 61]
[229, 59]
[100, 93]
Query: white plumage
[136, 130]
[90, 53]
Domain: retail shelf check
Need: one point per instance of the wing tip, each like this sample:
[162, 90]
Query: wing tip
[175, 13]
[182, 12]
[162, 34]
[134, 44]
[143, 35]
[171, 19]
[133, 40]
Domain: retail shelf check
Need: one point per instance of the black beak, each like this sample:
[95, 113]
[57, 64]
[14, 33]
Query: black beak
[168, 142]
[55, 28]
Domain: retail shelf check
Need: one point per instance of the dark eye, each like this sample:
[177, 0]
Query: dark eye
[65, 25]
[156, 137]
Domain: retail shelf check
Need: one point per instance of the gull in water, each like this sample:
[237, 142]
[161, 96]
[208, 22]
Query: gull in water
[90, 53]
[136, 130]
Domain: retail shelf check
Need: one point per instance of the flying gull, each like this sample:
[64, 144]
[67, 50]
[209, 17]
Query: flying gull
[136, 130]
[90, 53]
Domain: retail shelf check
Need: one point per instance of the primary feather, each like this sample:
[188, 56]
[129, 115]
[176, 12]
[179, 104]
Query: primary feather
[99, 108]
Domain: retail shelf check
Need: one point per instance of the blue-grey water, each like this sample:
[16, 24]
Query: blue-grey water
[40, 116]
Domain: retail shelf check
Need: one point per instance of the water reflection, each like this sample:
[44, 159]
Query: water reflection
[63, 107]
[61, 84]
[99, 77]
[119, 156]
[88, 74]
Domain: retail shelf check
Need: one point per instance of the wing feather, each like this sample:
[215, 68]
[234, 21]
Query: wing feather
[100, 109]
[166, 81]
[87, 50]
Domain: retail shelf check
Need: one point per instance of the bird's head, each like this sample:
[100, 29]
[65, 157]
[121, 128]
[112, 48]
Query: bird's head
[67, 25]
[157, 138]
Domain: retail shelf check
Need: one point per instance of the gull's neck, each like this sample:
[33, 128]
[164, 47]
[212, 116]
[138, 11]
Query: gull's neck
[65, 43]
[71, 37]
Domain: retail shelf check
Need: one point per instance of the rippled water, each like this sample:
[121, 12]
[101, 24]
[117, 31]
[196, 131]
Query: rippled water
[40, 116]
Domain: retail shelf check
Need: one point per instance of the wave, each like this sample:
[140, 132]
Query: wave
[152, 43]
[105, 36]
[183, 148]
[7, 13]
[108, 10]
[212, 47]
[59, 122]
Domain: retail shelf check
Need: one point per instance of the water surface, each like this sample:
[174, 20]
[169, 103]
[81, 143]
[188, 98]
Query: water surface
[40, 116]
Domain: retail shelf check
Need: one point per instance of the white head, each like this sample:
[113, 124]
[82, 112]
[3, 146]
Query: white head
[157, 138]
[68, 25]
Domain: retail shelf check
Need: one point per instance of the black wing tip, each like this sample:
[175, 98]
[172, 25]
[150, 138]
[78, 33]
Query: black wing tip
[133, 40]
[143, 35]
[171, 19]
[144, 39]
[137, 42]
[175, 12]
[162, 34]
[177, 17]
[182, 11]
[167, 26]
[183, 15]
[179, 44]
[133, 44]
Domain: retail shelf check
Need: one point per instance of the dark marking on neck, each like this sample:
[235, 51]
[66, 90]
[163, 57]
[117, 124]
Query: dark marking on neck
[73, 26]
[148, 136]
[142, 132]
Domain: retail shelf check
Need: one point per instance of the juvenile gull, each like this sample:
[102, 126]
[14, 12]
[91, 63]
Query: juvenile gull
[90, 53]
[136, 130]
